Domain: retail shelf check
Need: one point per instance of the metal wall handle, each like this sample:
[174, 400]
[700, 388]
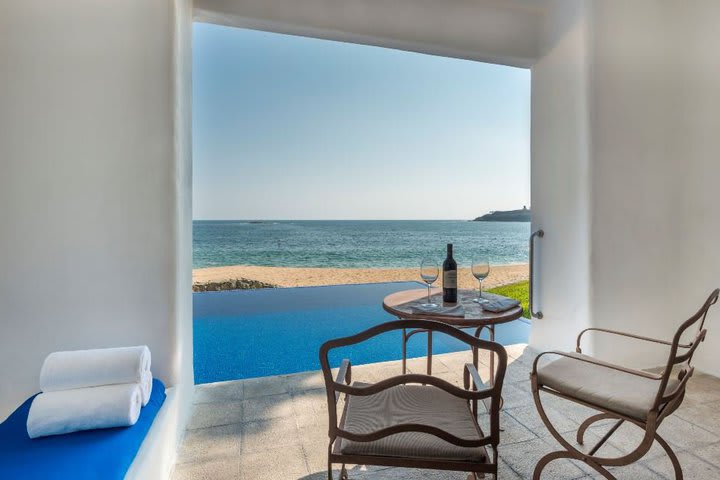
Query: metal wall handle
[539, 233]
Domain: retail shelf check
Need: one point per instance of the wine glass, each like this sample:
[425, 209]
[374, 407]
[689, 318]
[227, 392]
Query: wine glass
[480, 270]
[429, 272]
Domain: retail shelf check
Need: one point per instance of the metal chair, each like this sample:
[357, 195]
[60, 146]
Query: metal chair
[414, 420]
[641, 398]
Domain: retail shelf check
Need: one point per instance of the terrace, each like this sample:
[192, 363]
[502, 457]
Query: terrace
[240, 429]
[95, 190]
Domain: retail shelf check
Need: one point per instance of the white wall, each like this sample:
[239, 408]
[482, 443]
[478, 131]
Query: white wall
[655, 155]
[94, 203]
[624, 164]
[560, 181]
[699, 221]
[636, 172]
[182, 175]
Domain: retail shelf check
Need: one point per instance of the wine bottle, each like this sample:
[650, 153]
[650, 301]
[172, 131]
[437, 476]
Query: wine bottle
[449, 277]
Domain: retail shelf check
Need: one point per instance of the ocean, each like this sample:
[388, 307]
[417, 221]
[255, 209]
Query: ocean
[355, 243]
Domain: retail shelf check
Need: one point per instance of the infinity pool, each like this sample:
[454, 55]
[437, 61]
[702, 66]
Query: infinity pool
[254, 333]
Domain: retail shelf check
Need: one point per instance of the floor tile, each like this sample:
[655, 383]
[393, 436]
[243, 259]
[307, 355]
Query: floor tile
[704, 388]
[693, 467]
[684, 435]
[216, 468]
[514, 397]
[636, 471]
[214, 414]
[512, 430]
[310, 409]
[269, 434]
[264, 386]
[627, 438]
[219, 392]
[263, 408]
[273, 464]
[710, 454]
[705, 414]
[522, 458]
[301, 382]
[204, 444]
[529, 417]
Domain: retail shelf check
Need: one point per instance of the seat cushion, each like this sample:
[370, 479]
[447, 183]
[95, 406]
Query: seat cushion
[613, 390]
[403, 404]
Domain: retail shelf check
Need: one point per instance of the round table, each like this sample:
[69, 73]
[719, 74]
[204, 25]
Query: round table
[399, 304]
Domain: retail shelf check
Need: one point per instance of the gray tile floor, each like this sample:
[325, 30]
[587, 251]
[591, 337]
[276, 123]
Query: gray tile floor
[276, 428]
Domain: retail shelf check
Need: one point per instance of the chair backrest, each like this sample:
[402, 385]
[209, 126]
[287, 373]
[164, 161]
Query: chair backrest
[334, 388]
[682, 354]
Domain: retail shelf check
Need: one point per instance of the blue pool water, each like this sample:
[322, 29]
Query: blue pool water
[253, 333]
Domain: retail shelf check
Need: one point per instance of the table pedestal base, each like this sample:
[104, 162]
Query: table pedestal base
[478, 331]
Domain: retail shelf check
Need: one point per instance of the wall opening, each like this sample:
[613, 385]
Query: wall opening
[323, 163]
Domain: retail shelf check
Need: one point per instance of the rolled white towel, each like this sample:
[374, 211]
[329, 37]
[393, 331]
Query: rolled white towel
[91, 368]
[146, 387]
[57, 413]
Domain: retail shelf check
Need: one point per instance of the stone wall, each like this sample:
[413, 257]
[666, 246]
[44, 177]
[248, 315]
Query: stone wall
[231, 284]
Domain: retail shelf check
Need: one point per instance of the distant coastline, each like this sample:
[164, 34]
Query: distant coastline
[522, 215]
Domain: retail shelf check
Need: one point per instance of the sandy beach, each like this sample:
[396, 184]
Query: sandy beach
[303, 277]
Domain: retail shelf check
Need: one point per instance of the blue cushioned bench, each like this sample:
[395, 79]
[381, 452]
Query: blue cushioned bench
[93, 454]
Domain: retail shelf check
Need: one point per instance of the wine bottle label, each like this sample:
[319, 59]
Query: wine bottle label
[450, 279]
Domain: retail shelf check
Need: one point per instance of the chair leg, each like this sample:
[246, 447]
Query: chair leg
[672, 456]
[404, 351]
[544, 461]
[343, 473]
[596, 462]
[605, 437]
[330, 472]
[586, 424]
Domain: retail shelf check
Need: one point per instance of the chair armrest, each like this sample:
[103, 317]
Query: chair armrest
[619, 368]
[470, 372]
[344, 375]
[666, 397]
[622, 334]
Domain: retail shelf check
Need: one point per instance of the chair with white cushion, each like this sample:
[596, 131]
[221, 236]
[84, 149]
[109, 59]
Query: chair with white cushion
[414, 420]
[626, 395]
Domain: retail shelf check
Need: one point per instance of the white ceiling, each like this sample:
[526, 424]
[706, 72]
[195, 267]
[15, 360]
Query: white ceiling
[495, 31]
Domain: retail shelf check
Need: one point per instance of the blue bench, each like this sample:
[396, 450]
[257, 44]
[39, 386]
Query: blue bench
[91, 455]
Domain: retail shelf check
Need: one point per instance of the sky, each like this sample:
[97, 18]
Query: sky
[295, 128]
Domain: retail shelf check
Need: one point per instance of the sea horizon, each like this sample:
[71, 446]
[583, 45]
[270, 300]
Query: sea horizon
[355, 243]
[336, 220]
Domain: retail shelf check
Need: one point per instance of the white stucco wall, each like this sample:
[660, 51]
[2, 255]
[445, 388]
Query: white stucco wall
[560, 176]
[699, 155]
[625, 143]
[182, 176]
[636, 170]
[94, 183]
[655, 99]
